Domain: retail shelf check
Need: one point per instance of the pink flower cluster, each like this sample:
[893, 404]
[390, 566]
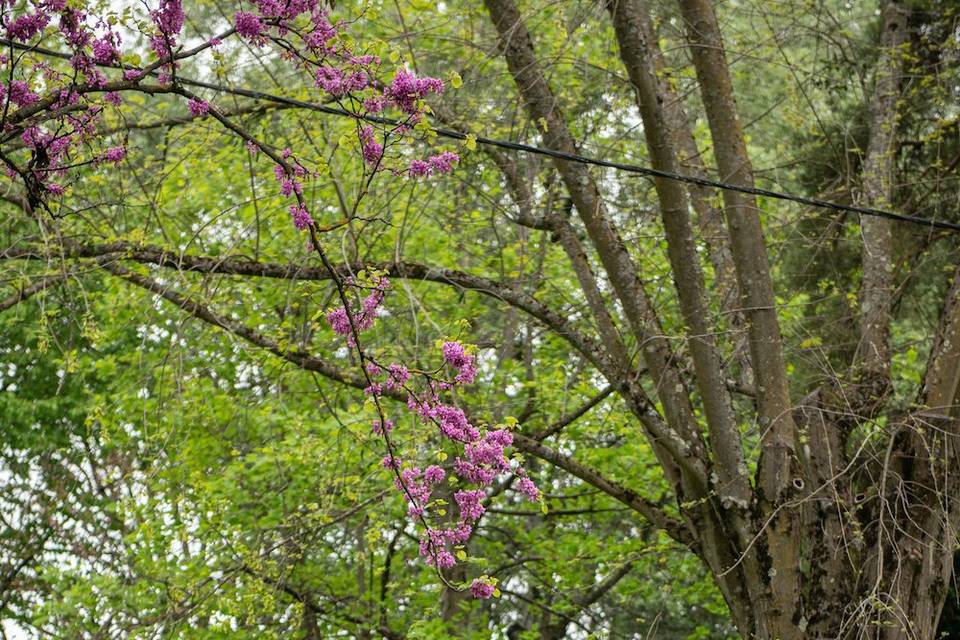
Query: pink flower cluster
[198, 108]
[347, 324]
[250, 26]
[371, 149]
[289, 178]
[434, 165]
[338, 82]
[27, 26]
[484, 451]
[343, 75]
[484, 457]
[73, 102]
[457, 357]
[482, 588]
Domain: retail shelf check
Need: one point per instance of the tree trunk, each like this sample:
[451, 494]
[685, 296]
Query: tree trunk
[876, 292]
[778, 463]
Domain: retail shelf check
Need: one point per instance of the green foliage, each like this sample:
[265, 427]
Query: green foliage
[172, 480]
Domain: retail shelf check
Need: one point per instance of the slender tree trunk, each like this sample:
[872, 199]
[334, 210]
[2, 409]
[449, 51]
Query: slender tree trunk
[876, 292]
[731, 480]
[681, 449]
[778, 463]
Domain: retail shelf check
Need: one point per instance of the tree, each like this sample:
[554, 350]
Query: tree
[767, 415]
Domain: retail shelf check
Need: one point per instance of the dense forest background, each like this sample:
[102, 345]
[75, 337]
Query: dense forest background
[184, 452]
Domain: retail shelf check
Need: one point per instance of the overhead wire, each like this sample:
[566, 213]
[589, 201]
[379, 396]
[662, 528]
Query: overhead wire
[635, 169]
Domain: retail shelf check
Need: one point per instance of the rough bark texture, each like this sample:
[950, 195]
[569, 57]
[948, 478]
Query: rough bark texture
[777, 461]
[689, 452]
[732, 484]
[621, 270]
[876, 294]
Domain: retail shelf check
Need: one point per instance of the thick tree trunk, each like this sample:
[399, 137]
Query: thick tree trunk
[684, 441]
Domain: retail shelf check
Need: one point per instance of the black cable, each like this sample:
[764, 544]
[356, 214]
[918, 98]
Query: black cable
[550, 153]
[572, 157]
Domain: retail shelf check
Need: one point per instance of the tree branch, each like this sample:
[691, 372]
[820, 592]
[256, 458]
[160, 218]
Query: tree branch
[308, 362]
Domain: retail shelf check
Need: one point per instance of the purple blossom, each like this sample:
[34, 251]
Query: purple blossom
[285, 9]
[372, 150]
[375, 104]
[399, 375]
[445, 559]
[20, 93]
[198, 108]
[434, 474]
[289, 186]
[73, 28]
[104, 50]
[385, 427]
[455, 354]
[358, 81]
[438, 164]
[482, 589]
[169, 17]
[528, 488]
[114, 154]
[339, 321]
[34, 137]
[457, 357]
[471, 504]
[331, 80]
[301, 217]
[365, 61]
[27, 26]
[323, 32]
[419, 168]
[249, 25]
[362, 319]
[443, 163]
[454, 424]
[474, 473]
[406, 89]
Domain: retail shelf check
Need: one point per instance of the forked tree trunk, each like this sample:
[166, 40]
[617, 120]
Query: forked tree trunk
[809, 549]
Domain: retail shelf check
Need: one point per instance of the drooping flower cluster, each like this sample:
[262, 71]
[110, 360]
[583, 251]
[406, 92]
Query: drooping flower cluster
[352, 79]
[352, 323]
[484, 452]
[457, 357]
[250, 27]
[53, 112]
[483, 587]
[198, 108]
[406, 91]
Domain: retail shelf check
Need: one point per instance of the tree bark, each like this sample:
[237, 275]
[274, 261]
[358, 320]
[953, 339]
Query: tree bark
[778, 444]
[542, 107]
[876, 292]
